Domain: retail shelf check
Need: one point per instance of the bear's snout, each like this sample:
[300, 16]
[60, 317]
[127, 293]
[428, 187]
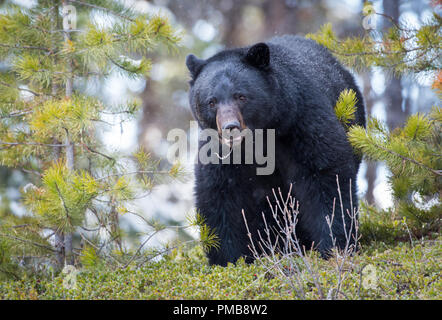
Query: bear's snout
[229, 123]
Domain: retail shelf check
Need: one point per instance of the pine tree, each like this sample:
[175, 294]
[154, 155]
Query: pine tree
[48, 124]
[400, 49]
[413, 152]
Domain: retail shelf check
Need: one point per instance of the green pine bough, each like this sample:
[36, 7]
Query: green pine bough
[412, 152]
[76, 189]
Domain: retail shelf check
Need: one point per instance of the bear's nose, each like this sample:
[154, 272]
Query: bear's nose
[230, 125]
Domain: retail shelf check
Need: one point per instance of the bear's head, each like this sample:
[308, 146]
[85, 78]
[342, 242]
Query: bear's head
[234, 89]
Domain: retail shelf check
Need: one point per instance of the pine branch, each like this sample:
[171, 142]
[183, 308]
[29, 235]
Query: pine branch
[33, 144]
[133, 173]
[15, 276]
[99, 249]
[382, 52]
[436, 172]
[28, 241]
[17, 46]
[16, 114]
[97, 152]
[140, 247]
[21, 89]
[103, 9]
[64, 203]
[47, 62]
[395, 23]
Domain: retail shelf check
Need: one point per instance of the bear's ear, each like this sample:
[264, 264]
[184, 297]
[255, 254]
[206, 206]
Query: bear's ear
[258, 55]
[194, 65]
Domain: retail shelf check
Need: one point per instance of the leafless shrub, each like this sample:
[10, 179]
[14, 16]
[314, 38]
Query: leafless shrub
[280, 251]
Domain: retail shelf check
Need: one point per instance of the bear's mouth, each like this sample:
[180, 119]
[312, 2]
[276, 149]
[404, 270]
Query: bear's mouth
[231, 138]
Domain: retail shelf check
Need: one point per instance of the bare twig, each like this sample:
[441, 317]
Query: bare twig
[279, 249]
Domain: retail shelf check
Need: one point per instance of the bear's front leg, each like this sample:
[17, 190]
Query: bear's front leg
[220, 197]
[325, 212]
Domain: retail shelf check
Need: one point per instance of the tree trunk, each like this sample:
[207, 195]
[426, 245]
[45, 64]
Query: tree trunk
[59, 235]
[70, 152]
[393, 91]
[370, 174]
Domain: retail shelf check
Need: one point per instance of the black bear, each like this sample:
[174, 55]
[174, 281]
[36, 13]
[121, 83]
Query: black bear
[289, 84]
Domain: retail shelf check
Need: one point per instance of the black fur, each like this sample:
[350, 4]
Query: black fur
[291, 84]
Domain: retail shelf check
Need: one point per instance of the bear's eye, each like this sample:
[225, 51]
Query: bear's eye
[212, 103]
[241, 97]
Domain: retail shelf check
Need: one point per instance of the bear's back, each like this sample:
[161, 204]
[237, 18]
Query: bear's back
[305, 57]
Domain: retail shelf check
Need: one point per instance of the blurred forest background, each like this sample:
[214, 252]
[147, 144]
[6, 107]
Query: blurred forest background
[210, 26]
